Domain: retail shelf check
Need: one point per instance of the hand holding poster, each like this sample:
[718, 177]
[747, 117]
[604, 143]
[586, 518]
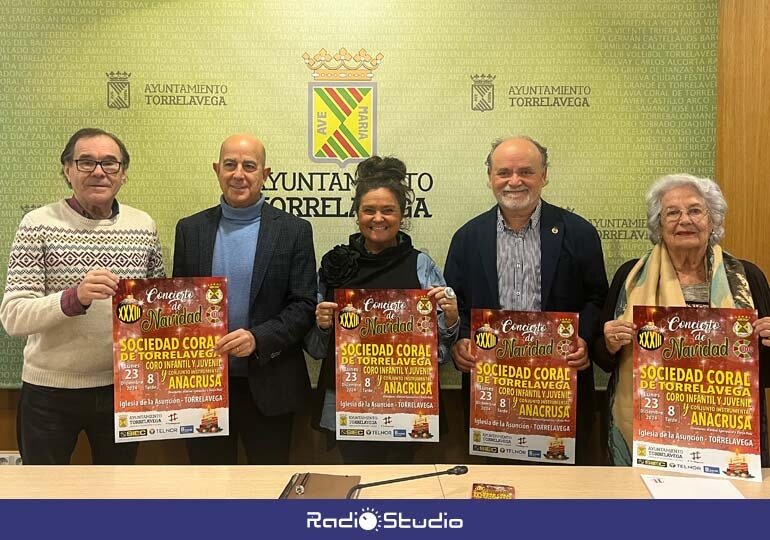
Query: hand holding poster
[523, 394]
[169, 380]
[696, 391]
[386, 365]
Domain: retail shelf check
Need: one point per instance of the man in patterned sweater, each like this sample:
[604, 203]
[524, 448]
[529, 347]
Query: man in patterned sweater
[64, 267]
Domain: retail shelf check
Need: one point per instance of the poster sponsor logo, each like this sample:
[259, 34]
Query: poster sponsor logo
[129, 433]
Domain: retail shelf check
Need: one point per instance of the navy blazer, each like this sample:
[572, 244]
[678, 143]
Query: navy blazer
[573, 278]
[283, 299]
[572, 273]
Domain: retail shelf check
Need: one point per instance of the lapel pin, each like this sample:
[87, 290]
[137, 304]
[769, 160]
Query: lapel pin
[555, 230]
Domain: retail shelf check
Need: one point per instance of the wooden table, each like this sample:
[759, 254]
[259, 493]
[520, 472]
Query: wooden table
[198, 482]
[567, 482]
[250, 482]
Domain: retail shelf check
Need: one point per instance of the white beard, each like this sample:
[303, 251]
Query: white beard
[515, 203]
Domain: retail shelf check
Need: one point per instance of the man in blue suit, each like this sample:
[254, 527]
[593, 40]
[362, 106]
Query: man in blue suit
[268, 258]
[527, 255]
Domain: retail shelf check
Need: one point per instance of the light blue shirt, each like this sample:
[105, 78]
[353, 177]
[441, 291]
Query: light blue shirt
[235, 248]
[518, 264]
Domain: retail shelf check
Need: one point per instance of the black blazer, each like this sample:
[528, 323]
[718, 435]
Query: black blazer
[572, 274]
[283, 298]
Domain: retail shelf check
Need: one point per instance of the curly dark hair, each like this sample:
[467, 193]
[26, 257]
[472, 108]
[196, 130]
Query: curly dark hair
[378, 172]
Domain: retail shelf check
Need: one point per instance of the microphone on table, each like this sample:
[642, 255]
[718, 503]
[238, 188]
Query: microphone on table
[459, 469]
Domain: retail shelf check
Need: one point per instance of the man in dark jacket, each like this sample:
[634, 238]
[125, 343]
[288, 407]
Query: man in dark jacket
[527, 255]
[268, 258]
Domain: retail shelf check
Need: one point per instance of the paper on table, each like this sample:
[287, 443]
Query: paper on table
[682, 487]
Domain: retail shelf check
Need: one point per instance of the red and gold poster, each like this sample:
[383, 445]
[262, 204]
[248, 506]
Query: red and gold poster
[494, 492]
[169, 381]
[696, 391]
[523, 394]
[387, 365]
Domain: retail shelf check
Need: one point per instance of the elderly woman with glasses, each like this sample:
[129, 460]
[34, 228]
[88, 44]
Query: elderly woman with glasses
[685, 267]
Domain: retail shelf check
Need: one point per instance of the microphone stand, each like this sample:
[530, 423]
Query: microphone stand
[460, 469]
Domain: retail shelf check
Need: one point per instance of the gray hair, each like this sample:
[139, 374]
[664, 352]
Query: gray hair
[707, 188]
[540, 148]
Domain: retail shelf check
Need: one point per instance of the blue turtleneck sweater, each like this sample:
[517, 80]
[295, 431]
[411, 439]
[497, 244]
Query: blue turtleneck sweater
[234, 251]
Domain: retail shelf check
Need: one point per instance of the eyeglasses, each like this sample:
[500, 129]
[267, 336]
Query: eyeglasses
[695, 213]
[109, 166]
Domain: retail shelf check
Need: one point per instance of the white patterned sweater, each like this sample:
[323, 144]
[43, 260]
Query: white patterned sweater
[53, 250]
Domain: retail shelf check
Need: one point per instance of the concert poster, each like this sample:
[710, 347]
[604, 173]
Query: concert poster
[386, 365]
[492, 492]
[696, 391]
[523, 393]
[169, 381]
